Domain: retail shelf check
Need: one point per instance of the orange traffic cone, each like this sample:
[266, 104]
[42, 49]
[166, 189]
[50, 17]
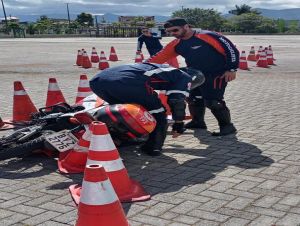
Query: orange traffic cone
[99, 204]
[113, 55]
[173, 62]
[22, 104]
[262, 61]
[271, 52]
[54, 94]
[84, 89]
[103, 63]
[259, 52]
[251, 56]
[79, 58]
[138, 57]
[75, 160]
[94, 56]
[86, 63]
[243, 65]
[103, 151]
[269, 56]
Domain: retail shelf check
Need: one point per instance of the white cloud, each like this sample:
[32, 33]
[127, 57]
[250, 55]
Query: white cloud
[135, 7]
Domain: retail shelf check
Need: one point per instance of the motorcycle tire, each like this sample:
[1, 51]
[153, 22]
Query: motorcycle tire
[22, 149]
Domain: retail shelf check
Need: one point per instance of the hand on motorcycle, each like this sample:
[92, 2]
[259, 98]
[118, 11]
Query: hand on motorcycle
[177, 129]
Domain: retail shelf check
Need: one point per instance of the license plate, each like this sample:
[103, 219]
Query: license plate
[62, 141]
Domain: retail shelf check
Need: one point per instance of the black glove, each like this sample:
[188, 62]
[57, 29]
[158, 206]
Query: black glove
[178, 127]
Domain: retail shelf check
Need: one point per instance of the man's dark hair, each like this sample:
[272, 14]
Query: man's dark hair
[175, 22]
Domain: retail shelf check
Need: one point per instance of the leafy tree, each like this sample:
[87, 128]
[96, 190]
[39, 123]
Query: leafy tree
[43, 24]
[293, 26]
[267, 26]
[247, 22]
[85, 19]
[31, 28]
[281, 25]
[202, 18]
[239, 10]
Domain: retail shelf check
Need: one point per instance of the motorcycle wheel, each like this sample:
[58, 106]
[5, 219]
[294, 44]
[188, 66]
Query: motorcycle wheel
[22, 149]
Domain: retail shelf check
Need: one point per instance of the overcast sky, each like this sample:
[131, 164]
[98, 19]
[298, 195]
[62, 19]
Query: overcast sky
[133, 7]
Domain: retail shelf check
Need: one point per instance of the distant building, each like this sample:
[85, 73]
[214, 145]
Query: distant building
[12, 19]
[139, 20]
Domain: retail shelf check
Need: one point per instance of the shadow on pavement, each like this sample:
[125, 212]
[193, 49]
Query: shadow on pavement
[180, 168]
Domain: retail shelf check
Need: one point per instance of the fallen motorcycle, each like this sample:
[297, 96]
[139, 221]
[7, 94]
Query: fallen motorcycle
[59, 127]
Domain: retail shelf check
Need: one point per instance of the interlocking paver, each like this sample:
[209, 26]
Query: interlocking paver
[248, 179]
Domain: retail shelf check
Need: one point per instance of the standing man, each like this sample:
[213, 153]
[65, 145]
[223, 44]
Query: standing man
[151, 40]
[135, 83]
[216, 57]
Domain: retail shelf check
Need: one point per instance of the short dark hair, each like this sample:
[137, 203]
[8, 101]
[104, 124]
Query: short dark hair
[175, 22]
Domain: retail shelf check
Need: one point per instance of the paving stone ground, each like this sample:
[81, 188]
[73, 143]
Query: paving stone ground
[251, 178]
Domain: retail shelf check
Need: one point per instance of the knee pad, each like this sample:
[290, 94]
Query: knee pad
[215, 105]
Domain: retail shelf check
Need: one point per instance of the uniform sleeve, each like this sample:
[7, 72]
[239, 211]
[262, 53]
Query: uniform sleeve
[165, 54]
[140, 43]
[178, 83]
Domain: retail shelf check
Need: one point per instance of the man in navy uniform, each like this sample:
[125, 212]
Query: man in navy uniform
[151, 41]
[216, 57]
[135, 83]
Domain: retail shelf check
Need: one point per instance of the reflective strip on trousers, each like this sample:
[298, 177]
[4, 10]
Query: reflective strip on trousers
[97, 193]
[177, 91]
[157, 110]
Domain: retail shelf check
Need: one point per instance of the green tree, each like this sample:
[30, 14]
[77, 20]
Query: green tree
[239, 10]
[31, 28]
[43, 24]
[267, 26]
[202, 18]
[293, 26]
[281, 25]
[85, 19]
[247, 22]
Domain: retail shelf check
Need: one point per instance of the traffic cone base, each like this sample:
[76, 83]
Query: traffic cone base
[98, 204]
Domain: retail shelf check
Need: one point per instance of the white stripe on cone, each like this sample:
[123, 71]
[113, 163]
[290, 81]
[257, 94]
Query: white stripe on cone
[53, 87]
[20, 93]
[84, 83]
[97, 193]
[103, 141]
[109, 166]
[84, 94]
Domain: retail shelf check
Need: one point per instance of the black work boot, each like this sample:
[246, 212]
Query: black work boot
[197, 111]
[224, 120]
[154, 144]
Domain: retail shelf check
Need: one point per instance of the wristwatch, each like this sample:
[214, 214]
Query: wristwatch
[233, 70]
